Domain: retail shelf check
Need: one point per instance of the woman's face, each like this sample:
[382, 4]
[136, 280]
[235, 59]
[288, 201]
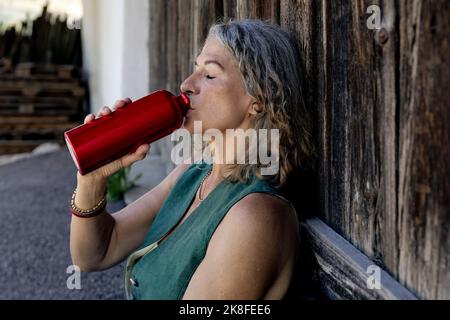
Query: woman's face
[216, 90]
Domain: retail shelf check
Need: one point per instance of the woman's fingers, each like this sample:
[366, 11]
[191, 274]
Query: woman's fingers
[103, 112]
[106, 110]
[137, 155]
[89, 118]
[121, 103]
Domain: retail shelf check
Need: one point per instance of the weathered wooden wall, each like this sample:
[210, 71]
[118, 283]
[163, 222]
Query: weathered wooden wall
[383, 111]
[380, 100]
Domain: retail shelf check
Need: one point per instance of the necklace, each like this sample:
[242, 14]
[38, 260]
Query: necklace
[201, 185]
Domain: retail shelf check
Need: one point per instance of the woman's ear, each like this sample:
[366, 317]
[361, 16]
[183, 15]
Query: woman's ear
[255, 108]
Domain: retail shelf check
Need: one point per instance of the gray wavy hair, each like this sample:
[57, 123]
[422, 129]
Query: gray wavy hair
[269, 61]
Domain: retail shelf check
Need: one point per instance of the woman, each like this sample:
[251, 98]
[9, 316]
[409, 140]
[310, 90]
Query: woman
[210, 231]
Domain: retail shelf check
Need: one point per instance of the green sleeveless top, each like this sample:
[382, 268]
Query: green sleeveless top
[163, 270]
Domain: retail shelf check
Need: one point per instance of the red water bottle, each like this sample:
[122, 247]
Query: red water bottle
[112, 136]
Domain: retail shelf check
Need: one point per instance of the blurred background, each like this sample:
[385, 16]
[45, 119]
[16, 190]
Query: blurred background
[63, 59]
[42, 88]
[59, 61]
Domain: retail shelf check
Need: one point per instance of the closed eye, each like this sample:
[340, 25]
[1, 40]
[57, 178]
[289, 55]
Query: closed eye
[209, 77]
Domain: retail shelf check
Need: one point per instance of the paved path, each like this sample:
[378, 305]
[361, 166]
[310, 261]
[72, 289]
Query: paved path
[34, 233]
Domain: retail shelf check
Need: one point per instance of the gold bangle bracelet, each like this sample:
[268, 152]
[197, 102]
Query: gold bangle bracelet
[100, 204]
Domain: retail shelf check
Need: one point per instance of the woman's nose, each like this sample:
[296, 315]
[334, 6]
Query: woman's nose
[189, 86]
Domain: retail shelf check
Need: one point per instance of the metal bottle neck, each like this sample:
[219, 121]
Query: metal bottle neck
[184, 102]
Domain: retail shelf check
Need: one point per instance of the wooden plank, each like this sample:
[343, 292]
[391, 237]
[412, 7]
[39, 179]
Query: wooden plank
[171, 45]
[20, 146]
[269, 10]
[38, 106]
[35, 77]
[258, 9]
[185, 60]
[67, 71]
[44, 128]
[355, 132]
[27, 70]
[32, 119]
[203, 16]
[195, 42]
[246, 9]
[24, 69]
[424, 147]
[346, 272]
[42, 88]
[229, 9]
[361, 135]
[157, 43]
[49, 134]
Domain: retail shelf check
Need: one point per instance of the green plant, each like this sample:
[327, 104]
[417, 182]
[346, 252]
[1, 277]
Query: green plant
[119, 183]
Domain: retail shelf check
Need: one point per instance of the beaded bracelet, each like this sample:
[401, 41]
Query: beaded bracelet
[87, 213]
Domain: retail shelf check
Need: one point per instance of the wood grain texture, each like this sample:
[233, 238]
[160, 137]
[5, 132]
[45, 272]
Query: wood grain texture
[258, 9]
[203, 14]
[184, 59]
[382, 145]
[158, 44]
[346, 272]
[424, 147]
[173, 37]
[229, 9]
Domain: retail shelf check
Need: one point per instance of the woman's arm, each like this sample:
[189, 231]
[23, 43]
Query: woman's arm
[251, 254]
[103, 241]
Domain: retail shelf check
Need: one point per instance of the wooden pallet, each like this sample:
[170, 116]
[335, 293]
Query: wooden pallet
[36, 131]
[23, 134]
[19, 146]
[28, 70]
[38, 104]
[5, 120]
[18, 105]
[46, 88]
[35, 77]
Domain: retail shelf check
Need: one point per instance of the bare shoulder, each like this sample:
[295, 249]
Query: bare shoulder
[262, 216]
[265, 219]
[259, 203]
[250, 253]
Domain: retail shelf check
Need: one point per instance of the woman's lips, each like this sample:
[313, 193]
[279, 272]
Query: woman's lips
[189, 111]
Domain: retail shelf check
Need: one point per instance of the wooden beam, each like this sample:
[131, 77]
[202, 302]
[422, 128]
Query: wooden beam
[344, 272]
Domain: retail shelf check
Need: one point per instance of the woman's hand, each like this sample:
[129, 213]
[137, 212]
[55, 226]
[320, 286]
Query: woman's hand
[102, 173]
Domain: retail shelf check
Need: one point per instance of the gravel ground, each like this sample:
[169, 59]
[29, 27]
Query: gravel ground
[34, 233]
